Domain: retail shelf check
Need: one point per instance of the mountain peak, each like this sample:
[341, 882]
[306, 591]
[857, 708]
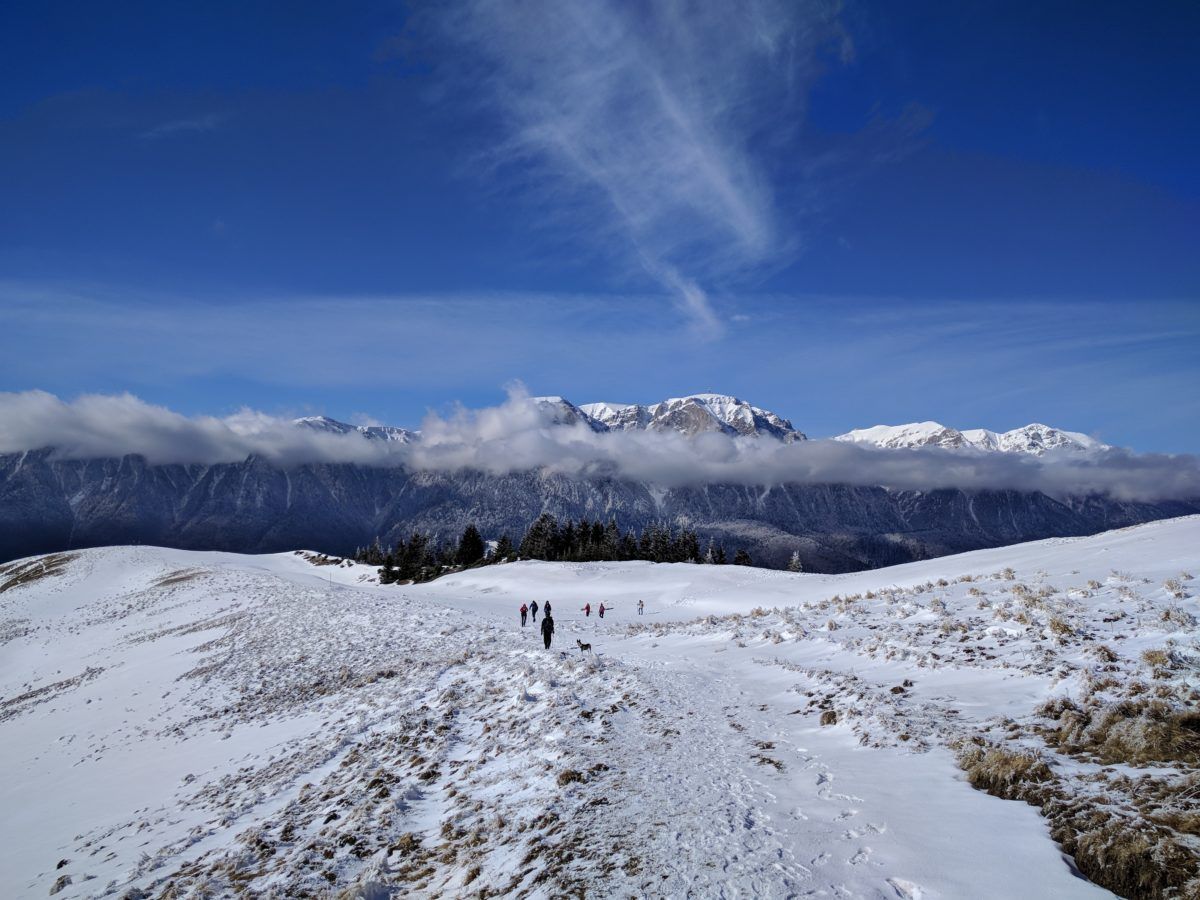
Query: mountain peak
[1035, 439]
[695, 414]
[371, 432]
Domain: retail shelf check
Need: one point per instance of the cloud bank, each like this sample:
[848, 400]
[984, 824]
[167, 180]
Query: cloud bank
[517, 436]
[658, 120]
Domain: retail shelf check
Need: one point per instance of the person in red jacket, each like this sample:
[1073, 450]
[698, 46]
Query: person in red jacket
[524, 613]
[587, 610]
[601, 610]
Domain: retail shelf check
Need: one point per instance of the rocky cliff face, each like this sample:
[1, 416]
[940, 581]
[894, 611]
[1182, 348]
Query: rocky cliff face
[49, 504]
[693, 415]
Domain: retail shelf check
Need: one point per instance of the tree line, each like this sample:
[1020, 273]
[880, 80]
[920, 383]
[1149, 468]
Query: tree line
[421, 557]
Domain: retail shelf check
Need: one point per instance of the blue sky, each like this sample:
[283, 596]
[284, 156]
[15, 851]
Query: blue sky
[981, 213]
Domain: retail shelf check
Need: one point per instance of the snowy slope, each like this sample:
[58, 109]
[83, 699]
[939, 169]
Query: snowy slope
[916, 434]
[371, 432]
[1036, 439]
[1033, 439]
[215, 722]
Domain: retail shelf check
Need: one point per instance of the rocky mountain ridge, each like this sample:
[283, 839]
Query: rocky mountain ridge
[711, 413]
[51, 504]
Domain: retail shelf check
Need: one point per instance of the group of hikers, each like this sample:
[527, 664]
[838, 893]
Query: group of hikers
[548, 619]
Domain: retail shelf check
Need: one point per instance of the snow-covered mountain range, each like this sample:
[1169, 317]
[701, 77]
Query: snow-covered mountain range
[1035, 439]
[709, 413]
[55, 502]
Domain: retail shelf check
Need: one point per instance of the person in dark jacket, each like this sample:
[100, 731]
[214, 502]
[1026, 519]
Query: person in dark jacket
[546, 608]
[524, 613]
[533, 609]
[547, 630]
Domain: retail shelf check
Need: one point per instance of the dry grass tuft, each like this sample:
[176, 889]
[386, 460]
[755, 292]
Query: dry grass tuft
[1136, 732]
[1158, 658]
[1060, 627]
[1104, 653]
[1123, 852]
[17, 575]
[1134, 861]
[180, 576]
[1011, 774]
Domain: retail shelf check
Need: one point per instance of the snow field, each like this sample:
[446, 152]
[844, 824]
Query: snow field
[206, 724]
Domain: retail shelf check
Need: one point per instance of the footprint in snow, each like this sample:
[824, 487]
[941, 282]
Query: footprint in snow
[860, 857]
[821, 859]
[906, 890]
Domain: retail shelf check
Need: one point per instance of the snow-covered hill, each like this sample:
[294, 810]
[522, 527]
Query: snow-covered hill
[207, 723]
[1033, 439]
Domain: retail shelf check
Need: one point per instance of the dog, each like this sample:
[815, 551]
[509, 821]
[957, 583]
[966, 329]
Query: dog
[583, 648]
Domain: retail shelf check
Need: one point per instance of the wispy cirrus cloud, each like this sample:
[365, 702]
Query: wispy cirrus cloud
[179, 127]
[656, 123]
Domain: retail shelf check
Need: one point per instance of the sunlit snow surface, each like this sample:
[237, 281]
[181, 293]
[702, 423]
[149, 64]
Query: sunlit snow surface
[214, 723]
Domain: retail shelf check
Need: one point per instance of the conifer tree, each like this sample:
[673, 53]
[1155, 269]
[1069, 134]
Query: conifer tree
[742, 558]
[412, 556]
[794, 564]
[612, 541]
[597, 539]
[687, 548]
[387, 574]
[504, 549]
[541, 540]
[629, 547]
[569, 539]
[470, 546]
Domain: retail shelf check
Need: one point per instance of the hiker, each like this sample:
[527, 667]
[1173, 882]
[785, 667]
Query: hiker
[641, 606]
[524, 613]
[547, 630]
[546, 608]
[602, 610]
[533, 609]
[587, 610]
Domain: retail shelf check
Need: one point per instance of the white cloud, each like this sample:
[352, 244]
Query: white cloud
[517, 437]
[651, 119]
